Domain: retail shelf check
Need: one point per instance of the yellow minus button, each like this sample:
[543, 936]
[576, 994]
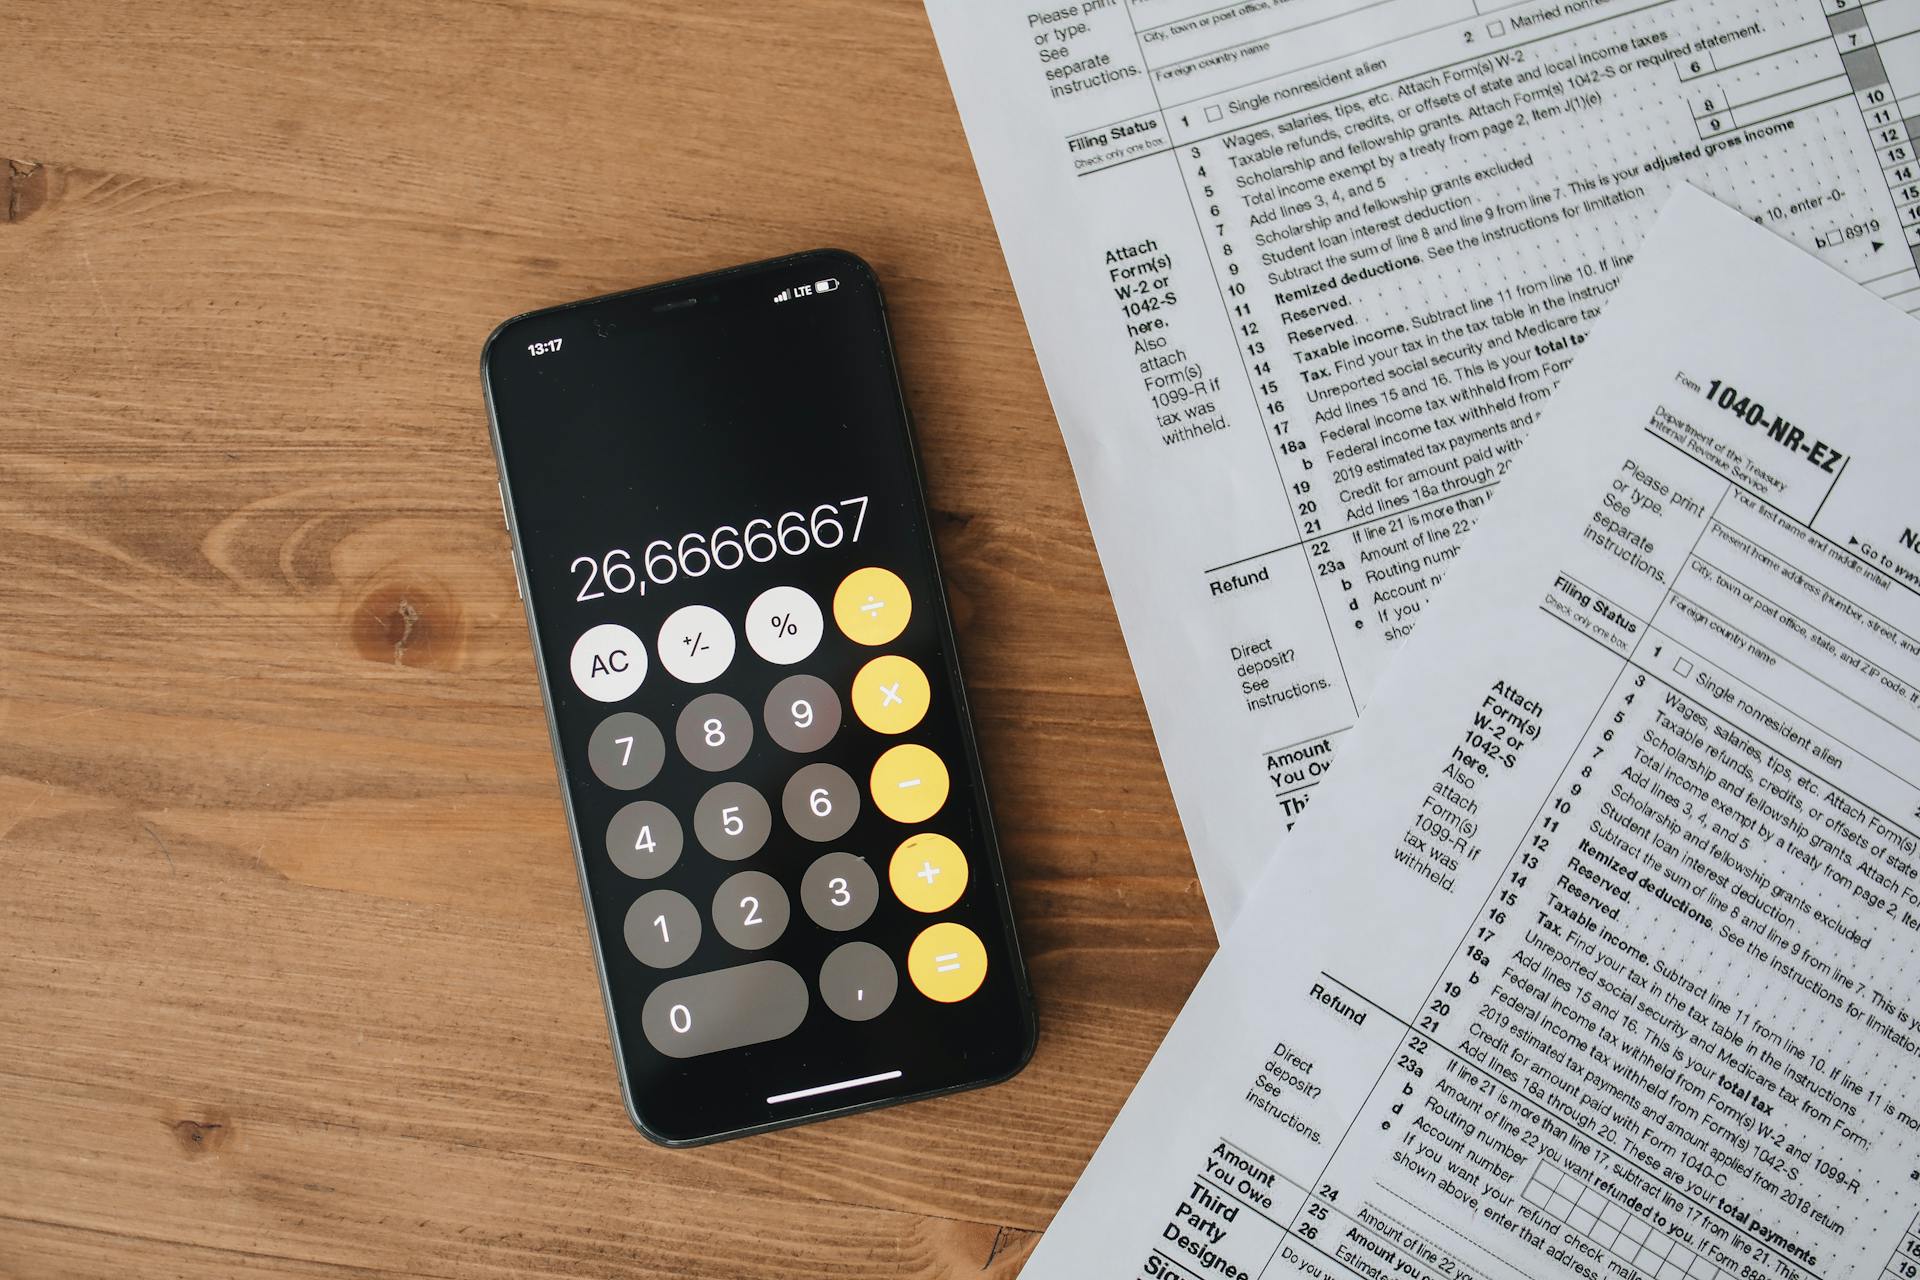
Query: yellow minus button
[947, 962]
[909, 783]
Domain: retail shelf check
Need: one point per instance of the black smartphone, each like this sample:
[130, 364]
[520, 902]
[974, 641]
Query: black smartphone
[790, 870]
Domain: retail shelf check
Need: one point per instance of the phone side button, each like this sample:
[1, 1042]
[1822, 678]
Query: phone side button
[725, 1009]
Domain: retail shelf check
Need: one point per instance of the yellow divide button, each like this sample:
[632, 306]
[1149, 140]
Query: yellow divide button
[928, 872]
[872, 606]
[909, 783]
[890, 695]
[947, 962]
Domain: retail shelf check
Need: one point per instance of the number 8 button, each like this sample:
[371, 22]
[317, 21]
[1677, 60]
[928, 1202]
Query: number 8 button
[714, 732]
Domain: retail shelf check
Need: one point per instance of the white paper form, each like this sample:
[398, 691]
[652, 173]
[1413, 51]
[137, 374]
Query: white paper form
[1599, 954]
[1301, 272]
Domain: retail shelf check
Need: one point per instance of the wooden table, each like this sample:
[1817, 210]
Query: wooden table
[294, 979]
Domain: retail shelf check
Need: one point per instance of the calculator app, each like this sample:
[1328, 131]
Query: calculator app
[790, 867]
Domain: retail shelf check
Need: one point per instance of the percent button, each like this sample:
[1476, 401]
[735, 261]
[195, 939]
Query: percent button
[784, 625]
[909, 783]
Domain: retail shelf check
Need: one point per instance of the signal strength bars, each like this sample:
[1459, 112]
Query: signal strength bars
[807, 290]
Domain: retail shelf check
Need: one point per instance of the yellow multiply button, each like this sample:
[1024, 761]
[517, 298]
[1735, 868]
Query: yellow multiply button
[928, 872]
[872, 606]
[891, 694]
[947, 962]
[909, 783]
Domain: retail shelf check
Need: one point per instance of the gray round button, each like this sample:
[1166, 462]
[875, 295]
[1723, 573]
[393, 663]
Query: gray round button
[750, 909]
[626, 751]
[732, 821]
[662, 929]
[839, 891]
[858, 981]
[820, 802]
[644, 839]
[714, 732]
[802, 713]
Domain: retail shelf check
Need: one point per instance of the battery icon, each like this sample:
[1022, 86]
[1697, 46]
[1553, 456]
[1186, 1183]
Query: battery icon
[826, 286]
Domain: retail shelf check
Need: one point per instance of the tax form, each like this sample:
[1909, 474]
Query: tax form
[1300, 273]
[1599, 955]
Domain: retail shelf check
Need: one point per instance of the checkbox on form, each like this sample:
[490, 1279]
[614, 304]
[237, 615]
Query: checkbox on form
[1213, 113]
[1682, 668]
[1496, 28]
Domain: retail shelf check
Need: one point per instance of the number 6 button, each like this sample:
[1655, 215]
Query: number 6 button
[820, 802]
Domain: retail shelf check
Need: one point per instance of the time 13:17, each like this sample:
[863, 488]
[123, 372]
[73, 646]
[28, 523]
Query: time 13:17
[696, 554]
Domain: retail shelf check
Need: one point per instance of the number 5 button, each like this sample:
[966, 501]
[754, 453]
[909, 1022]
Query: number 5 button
[909, 783]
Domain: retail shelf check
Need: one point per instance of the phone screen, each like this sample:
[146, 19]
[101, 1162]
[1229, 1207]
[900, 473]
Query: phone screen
[790, 867]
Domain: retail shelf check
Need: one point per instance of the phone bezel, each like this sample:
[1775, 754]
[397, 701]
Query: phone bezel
[671, 299]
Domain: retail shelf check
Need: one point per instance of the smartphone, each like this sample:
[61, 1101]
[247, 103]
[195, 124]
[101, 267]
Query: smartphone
[792, 881]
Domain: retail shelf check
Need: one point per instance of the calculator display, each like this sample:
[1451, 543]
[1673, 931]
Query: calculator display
[783, 835]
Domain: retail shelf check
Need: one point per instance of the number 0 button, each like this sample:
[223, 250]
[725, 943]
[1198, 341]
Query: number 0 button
[714, 732]
[662, 929]
[820, 802]
[909, 783]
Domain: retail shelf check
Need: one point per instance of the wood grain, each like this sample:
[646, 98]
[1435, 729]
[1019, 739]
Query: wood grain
[293, 975]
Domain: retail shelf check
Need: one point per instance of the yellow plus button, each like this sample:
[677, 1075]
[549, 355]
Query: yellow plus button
[872, 606]
[947, 962]
[909, 783]
[891, 694]
[928, 872]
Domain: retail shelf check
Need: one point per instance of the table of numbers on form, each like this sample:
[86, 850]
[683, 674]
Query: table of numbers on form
[1391, 226]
